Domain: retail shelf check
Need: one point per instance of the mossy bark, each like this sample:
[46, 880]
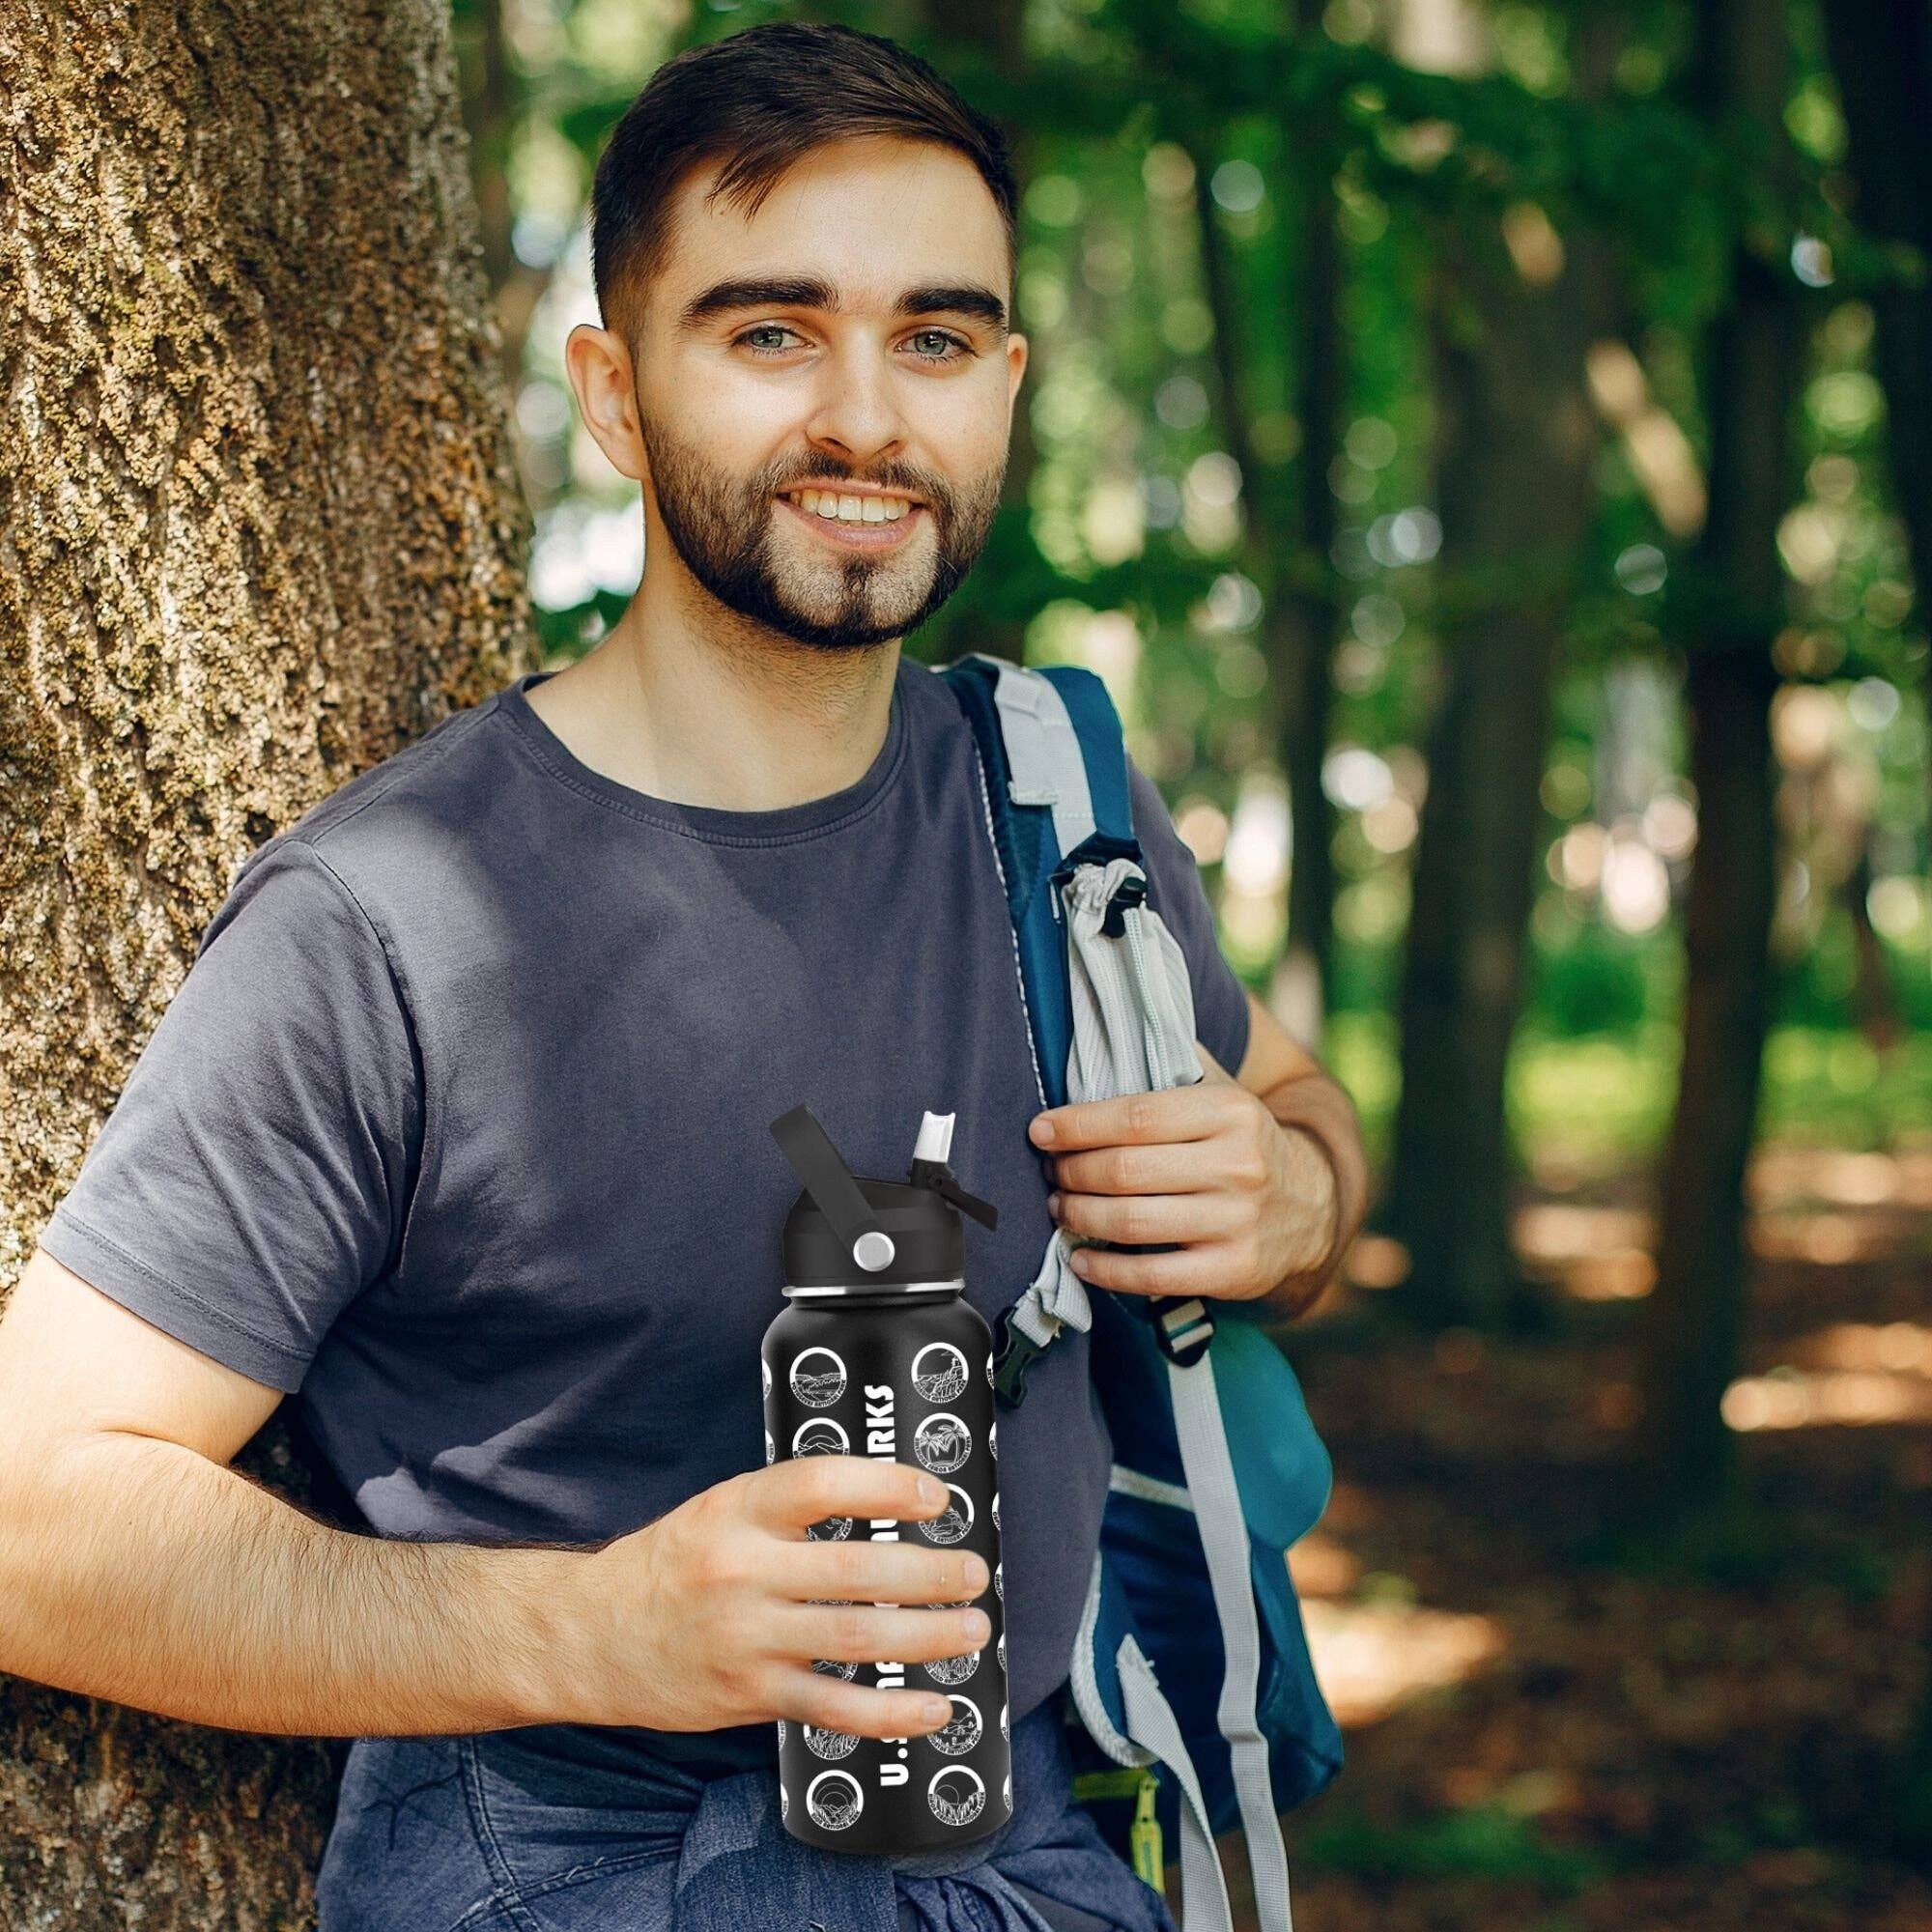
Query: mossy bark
[259, 527]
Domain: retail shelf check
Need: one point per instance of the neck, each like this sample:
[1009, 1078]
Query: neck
[741, 722]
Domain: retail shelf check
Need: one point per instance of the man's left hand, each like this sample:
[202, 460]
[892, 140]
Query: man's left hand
[1209, 1166]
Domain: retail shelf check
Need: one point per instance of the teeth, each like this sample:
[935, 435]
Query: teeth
[852, 509]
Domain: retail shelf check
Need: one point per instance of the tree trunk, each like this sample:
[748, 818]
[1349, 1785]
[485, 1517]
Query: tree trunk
[1882, 58]
[491, 100]
[983, 51]
[259, 527]
[1517, 497]
[1882, 55]
[1289, 533]
[1693, 1319]
[1517, 438]
[1308, 616]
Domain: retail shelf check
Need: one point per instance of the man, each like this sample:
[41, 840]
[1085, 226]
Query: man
[458, 1129]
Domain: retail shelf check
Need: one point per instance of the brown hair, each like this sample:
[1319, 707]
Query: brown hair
[760, 99]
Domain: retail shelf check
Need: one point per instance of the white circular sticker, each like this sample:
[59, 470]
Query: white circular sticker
[953, 1521]
[835, 1800]
[942, 1443]
[957, 1793]
[817, 1378]
[819, 1436]
[960, 1732]
[939, 1372]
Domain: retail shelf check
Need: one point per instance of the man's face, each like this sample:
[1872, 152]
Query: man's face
[787, 388]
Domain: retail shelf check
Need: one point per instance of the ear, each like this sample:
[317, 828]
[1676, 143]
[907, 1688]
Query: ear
[598, 363]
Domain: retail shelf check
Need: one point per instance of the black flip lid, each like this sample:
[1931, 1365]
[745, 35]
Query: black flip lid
[908, 1230]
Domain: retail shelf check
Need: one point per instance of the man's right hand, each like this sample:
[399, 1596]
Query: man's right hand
[715, 1613]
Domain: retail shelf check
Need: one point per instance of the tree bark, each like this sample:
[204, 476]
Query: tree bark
[1693, 1320]
[259, 527]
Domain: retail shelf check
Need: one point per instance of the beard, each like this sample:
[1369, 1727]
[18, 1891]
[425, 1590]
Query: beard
[725, 530]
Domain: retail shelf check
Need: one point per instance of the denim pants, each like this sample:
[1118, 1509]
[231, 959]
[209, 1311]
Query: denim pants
[482, 1834]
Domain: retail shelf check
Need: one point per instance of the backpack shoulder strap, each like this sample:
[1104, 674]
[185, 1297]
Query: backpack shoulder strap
[1055, 763]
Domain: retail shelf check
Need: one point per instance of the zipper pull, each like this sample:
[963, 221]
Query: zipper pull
[1143, 1836]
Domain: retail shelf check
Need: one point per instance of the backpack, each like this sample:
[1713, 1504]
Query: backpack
[1190, 1669]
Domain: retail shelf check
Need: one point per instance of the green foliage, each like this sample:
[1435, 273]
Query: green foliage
[1159, 139]
[1480, 1841]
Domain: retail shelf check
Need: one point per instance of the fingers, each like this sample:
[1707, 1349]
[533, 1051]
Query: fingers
[830, 1704]
[1188, 1167]
[865, 1633]
[807, 1489]
[880, 1573]
[1137, 1218]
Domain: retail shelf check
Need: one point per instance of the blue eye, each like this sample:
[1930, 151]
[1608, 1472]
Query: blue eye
[764, 329]
[964, 346]
[944, 335]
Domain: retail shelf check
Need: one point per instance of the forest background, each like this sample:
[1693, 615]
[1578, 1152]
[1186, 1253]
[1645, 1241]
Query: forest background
[1487, 451]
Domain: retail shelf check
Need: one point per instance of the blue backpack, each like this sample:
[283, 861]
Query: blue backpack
[1191, 1667]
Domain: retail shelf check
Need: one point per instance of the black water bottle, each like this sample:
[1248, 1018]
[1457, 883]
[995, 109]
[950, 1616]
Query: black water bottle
[878, 1353]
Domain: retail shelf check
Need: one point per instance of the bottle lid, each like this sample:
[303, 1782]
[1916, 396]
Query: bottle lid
[858, 1233]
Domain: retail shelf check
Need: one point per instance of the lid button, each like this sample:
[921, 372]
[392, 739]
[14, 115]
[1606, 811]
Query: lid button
[873, 1251]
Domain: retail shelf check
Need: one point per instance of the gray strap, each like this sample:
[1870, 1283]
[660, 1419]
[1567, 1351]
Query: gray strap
[1043, 753]
[1151, 1725]
[1224, 1540]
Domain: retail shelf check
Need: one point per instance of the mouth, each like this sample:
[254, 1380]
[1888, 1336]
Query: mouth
[884, 524]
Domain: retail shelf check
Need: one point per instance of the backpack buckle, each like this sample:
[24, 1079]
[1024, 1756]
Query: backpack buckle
[1182, 1327]
[1015, 1355]
[1128, 892]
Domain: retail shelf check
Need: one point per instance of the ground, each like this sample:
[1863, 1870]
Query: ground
[1550, 1731]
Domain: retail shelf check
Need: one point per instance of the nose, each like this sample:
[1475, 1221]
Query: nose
[856, 414]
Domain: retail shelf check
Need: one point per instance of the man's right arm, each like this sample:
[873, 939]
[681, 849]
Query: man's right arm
[136, 1566]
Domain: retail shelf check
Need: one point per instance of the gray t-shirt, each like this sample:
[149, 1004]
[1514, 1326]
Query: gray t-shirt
[459, 1127]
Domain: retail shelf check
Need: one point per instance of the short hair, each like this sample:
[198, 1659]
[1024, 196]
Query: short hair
[759, 99]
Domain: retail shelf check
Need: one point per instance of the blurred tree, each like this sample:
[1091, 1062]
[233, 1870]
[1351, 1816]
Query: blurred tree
[1305, 611]
[1882, 58]
[492, 100]
[1882, 54]
[1288, 518]
[262, 529]
[1729, 617]
[1514, 309]
[979, 46]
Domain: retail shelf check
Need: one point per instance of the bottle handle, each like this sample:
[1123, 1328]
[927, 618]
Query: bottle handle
[823, 1173]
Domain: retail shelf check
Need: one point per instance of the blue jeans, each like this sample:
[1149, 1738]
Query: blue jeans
[482, 1834]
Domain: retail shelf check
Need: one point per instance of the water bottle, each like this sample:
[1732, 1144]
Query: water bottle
[878, 1353]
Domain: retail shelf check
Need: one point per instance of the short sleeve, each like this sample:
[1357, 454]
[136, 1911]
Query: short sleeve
[254, 1176]
[1175, 890]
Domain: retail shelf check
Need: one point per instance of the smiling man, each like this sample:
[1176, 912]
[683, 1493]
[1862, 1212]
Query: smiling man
[457, 1131]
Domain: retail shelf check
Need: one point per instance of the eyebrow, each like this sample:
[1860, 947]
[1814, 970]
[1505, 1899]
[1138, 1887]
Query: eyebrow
[964, 298]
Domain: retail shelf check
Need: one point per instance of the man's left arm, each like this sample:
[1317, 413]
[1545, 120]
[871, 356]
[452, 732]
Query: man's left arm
[1259, 1176]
